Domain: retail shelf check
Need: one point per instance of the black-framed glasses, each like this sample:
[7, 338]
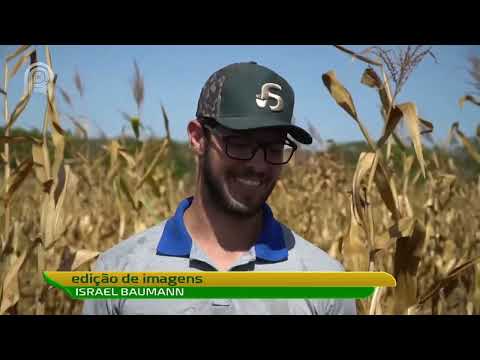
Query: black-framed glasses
[240, 148]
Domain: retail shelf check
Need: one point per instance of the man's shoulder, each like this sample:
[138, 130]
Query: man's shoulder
[311, 257]
[142, 244]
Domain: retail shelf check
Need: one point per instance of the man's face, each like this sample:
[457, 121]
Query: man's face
[240, 187]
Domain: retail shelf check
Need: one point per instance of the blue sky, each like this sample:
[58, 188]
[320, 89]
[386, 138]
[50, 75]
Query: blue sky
[174, 76]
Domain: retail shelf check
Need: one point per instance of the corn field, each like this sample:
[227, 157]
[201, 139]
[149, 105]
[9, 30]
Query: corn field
[418, 220]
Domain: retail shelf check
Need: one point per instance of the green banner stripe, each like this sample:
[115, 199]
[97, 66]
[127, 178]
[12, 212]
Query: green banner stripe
[83, 293]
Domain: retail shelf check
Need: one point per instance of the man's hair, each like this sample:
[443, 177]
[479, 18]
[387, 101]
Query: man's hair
[206, 121]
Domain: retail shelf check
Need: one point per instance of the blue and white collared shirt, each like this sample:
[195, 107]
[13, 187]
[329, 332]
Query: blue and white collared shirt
[169, 247]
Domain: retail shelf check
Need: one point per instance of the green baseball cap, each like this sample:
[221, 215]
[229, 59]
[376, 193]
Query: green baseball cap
[245, 96]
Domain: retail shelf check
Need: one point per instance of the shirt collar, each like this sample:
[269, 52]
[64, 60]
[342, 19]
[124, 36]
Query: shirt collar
[176, 241]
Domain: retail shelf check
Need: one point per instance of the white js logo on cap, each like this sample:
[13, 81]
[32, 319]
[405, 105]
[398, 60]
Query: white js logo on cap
[266, 94]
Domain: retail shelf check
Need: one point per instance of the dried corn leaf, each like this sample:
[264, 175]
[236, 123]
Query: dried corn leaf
[72, 258]
[375, 304]
[407, 165]
[66, 259]
[113, 150]
[10, 288]
[46, 218]
[33, 58]
[59, 157]
[58, 129]
[48, 56]
[407, 258]
[403, 229]
[397, 139]
[466, 143]
[141, 155]
[451, 165]
[393, 120]
[60, 184]
[409, 111]
[385, 240]
[358, 56]
[39, 162]
[386, 187]
[126, 192]
[154, 186]
[83, 257]
[112, 172]
[451, 276]
[78, 83]
[20, 107]
[66, 97]
[364, 165]
[20, 177]
[345, 101]
[354, 248]
[17, 52]
[371, 79]
[121, 210]
[52, 221]
[18, 140]
[101, 159]
[166, 122]
[20, 167]
[130, 160]
[450, 137]
[81, 129]
[339, 93]
[152, 166]
[171, 190]
[57, 133]
[47, 185]
[469, 98]
[426, 126]
[385, 94]
[461, 268]
[23, 59]
[435, 159]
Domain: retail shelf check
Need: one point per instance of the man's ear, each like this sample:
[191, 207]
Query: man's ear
[197, 137]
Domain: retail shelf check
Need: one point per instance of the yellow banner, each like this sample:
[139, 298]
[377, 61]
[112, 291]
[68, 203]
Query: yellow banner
[227, 279]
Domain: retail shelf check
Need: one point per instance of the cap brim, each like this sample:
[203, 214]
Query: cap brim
[242, 123]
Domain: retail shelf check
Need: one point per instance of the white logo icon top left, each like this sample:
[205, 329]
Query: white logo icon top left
[38, 75]
[266, 94]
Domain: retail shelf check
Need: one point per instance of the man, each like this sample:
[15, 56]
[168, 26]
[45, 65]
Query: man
[240, 139]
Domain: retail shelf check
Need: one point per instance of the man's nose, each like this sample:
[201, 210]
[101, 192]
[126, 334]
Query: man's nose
[258, 161]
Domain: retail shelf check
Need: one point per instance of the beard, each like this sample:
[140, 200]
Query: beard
[230, 196]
